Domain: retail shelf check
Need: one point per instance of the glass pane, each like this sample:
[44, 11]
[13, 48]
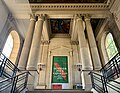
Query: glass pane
[110, 46]
[8, 46]
[109, 39]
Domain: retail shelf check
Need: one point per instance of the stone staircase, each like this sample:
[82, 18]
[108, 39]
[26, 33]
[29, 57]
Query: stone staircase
[58, 91]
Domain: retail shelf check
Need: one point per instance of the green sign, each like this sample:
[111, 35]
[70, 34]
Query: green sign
[60, 69]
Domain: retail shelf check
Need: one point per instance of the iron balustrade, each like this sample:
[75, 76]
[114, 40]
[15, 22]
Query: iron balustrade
[114, 85]
[102, 85]
[98, 82]
[111, 70]
[7, 68]
[15, 84]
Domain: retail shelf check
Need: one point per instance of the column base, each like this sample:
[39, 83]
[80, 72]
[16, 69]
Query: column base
[97, 67]
[41, 87]
[22, 68]
[32, 80]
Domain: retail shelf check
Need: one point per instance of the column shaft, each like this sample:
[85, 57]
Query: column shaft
[27, 44]
[84, 49]
[92, 44]
[32, 62]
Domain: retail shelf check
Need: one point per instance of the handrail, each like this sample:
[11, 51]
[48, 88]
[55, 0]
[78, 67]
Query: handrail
[111, 70]
[102, 85]
[7, 68]
[16, 83]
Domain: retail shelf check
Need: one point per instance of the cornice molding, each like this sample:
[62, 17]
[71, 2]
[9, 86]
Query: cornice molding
[37, 7]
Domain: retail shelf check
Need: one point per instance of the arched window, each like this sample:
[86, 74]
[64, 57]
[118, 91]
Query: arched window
[11, 47]
[8, 46]
[110, 46]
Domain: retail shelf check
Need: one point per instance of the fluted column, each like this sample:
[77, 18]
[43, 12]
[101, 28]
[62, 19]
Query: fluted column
[92, 44]
[27, 44]
[32, 62]
[84, 49]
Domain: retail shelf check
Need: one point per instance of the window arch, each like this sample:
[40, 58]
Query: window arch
[8, 46]
[11, 47]
[110, 46]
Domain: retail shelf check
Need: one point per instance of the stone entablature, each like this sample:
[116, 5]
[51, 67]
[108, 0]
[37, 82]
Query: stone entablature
[36, 7]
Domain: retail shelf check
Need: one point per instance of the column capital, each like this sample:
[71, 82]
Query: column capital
[74, 42]
[78, 17]
[46, 42]
[87, 17]
[32, 17]
[41, 17]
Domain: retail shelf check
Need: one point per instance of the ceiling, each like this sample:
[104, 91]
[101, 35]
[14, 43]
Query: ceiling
[68, 1]
[22, 11]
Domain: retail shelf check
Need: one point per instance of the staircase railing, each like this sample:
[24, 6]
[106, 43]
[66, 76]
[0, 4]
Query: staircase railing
[7, 68]
[15, 84]
[12, 83]
[111, 70]
[109, 73]
[102, 85]
[98, 82]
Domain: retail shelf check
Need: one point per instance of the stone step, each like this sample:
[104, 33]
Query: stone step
[58, 91]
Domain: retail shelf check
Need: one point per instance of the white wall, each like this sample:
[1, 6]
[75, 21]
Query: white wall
[3, 15]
